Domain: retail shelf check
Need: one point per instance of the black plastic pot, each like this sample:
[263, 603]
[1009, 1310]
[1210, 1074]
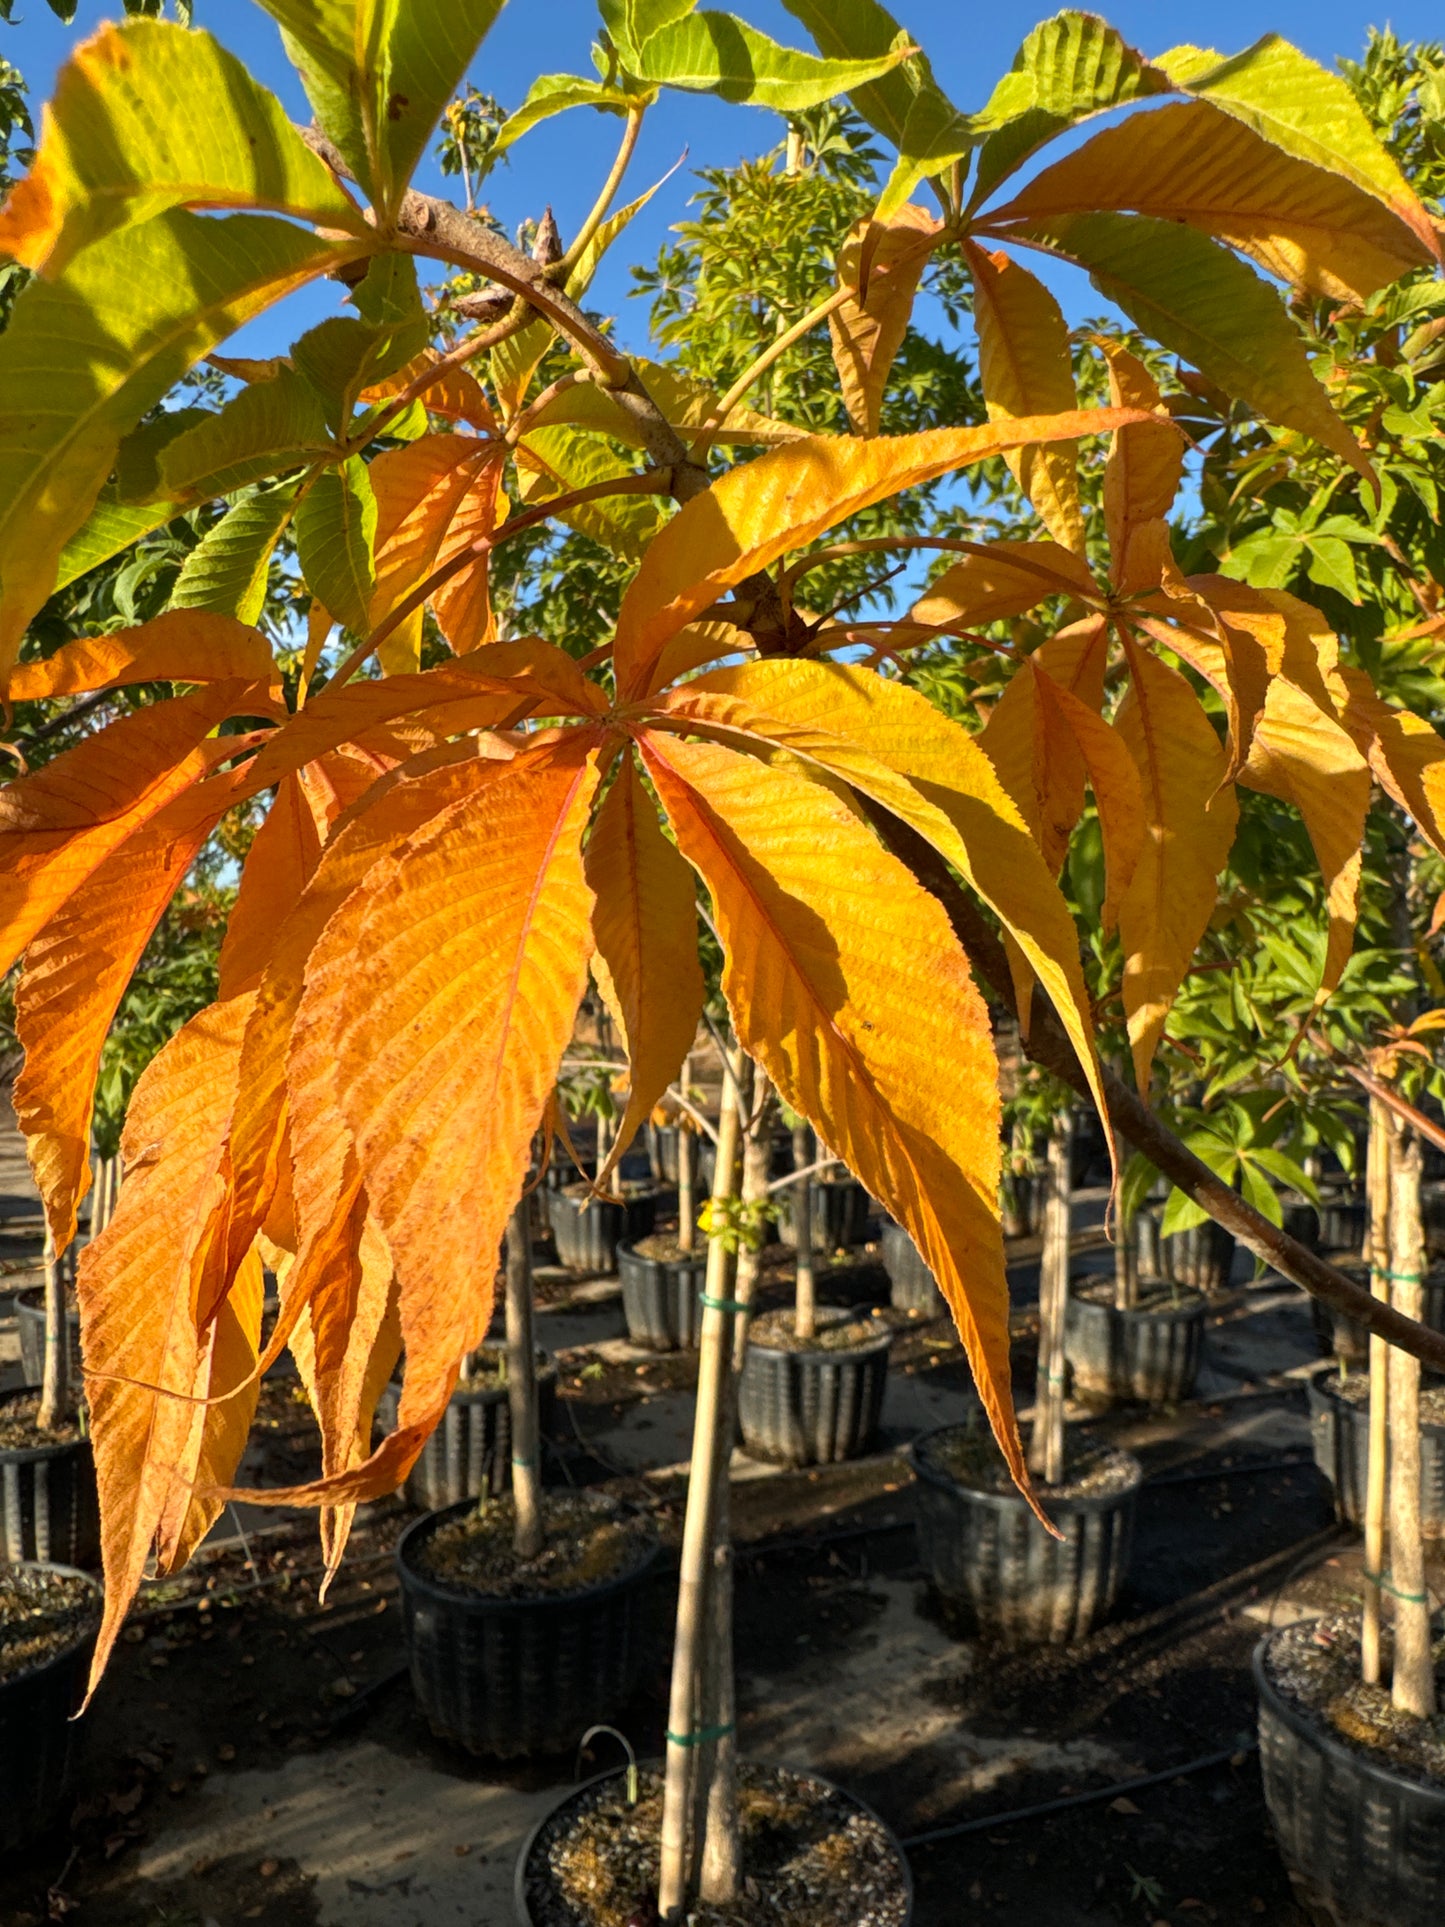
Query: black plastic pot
[998, 1572]
[49, 1510]
[30, 1323]
[1432, 1210]
[812, 1407]
[1299, 1219]
[913, 1286]
[526, 1874]
[587, 1240]
[1202, 1257]
[470, 1452]
[38, 1737]
[660, 1298]
[513, 1677]
[1349, 1338]
[1021, 1200]
[1342, 1216]
[662, 1149]
[1363, 1846]
[840, 1214]
[1151, 1353]
[1340, 1435]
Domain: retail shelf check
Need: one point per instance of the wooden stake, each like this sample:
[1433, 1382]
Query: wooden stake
[55, 1382]
[1377, 1256]
[805, 1300]
[1413, 1677]
[1046, 1446]
[522, 1388]
[686, 1187]
[711, 1440]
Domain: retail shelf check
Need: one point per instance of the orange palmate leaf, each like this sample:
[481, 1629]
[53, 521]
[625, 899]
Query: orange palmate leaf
[434, 497]
[1141, 476]
[1001, 579]
[144, 1289]
[848, 986]
[456, 393]
[283, 853]
[645, 924]
[1406, 755]
[880, 265]
[184, 645]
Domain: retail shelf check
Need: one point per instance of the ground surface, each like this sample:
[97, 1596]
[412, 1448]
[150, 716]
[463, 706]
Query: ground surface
[254, 1757]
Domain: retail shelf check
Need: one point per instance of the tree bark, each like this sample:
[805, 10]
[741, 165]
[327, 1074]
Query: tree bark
[55, 1383]
[1377, 1257]
[805, 1296]
[1046, 1446]
[522, 1387]
[1413, 1676]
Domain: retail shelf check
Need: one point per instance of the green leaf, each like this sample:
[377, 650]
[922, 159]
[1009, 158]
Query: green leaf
[1265, 559]
[552, 459]
[335, 542]
[227, 570]
[1287, 1171]
[85, 357]
[1259, 1192]
[935, 135]
[1299, 106]
[716, 53]
[1134, 1188]
[1200, 301]
[137, 463]
[1332, 566]
[346, 354]
[378, 74]
[632, 22]
[1181, 1213]
[112, 527]
[147, 117]
[863, 30]
[552, 94]
[269, 427]
[1069, 68]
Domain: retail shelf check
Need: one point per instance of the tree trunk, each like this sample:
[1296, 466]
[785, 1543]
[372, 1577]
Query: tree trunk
[805, 1312]
[711, 1443]
[1413, 1678]
[1046, 1446]
[1377, 1256]
[522, 1387]
[686, 1186]
[1126, 1268]
[55, 1383]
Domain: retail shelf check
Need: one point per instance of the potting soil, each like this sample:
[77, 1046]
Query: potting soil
[589, 1539]
[1354, 1388]
[810, 1858]
[835, 1332]
[1317, 1665]
[41, 1613]
[972, 1459]
[19, 1431]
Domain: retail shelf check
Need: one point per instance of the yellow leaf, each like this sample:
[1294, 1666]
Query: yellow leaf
[880, 265]
[645, 925]
[1025, 367]
[1000, 579]
[782, 500]
[1141, 476]
[1406, 755]
[1189, 827]
[184, 645]
[848, 986]
[279, 863]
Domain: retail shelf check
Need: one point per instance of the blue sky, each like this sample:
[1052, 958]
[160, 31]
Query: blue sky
[562, 162]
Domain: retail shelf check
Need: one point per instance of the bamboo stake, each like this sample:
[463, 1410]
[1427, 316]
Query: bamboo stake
[1046, 1446]
[699, 1531]
[55, 1383]
[522, 1388]
[686, 1188]
[1377, 1256]
[805, 1301]
[1413, 1676]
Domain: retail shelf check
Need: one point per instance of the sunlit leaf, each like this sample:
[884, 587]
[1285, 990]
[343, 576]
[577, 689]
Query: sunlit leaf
[551, 94]
[269, 427]
[335, 531]
[881, 265]
[717, 53]
[1142, 474]
[173, 648]
[229, 568]
[1001, 579]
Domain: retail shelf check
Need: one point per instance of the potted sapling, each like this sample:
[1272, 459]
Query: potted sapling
[522, 1608]
[592, 1217]
[1352, 1744]
[813, 1378]
[992, 1565]
[662, 1273]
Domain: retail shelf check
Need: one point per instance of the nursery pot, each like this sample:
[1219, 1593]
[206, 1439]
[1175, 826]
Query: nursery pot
[1150, 1353]
[1202, 1257]
[913, 1285]
[470, 1452]
[998, 1572]
[1299, 1219]
[1432, 1210]
[508, 1677]
[1342, 1216]
[1364, 1846]
[660, 1297]
[535, 1883]
[38, 1737]
[1349, 1338]
[30, 1323]
[841, 1210]
[587, 1240]
[49, 1509]
[812, 1407]
[662, 1146]
[1021, 1198]
[1340, 1435]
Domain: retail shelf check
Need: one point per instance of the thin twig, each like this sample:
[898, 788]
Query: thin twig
[718, 418]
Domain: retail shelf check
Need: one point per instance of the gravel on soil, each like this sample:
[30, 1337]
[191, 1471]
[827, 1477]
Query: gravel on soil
[589, 1539]
[662, 1247]
[971, 1459]
[18, 1430]
[1316, 1664]
[810, 1858]
[836, 1331]
[1162, 1294]
[41, 1613]
[1354, 1389]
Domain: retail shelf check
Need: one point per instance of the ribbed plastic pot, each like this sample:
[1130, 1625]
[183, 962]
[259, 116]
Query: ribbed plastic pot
[1340, 1436]
[1151, 1354]
[660, 1298]
[1432, 1210]
[1363, 1846]
[841, 1210]
[1300, 1220]
[1349, 1338]
[1021, 1197]
[510, 1678]
[38, 1738]
[1342, 1216]
[588, 1240]
[470, 1452]
[1202, 1257]
[30, 1325]
[527, 1873]
[811, 1407]
[662, 1145]
[49, 1509]
[913, 1286]
[998, 1571]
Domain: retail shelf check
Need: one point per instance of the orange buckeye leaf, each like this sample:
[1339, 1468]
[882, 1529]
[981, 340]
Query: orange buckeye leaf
[184, 645]
[880, 266]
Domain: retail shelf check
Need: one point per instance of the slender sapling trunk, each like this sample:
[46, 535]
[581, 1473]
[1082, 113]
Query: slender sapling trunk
[1046, 1446]
[686, 1187]
[1377, 1256]
[805, 1312]
[522, 1386]
[55, 1383]
[1413, 1677]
